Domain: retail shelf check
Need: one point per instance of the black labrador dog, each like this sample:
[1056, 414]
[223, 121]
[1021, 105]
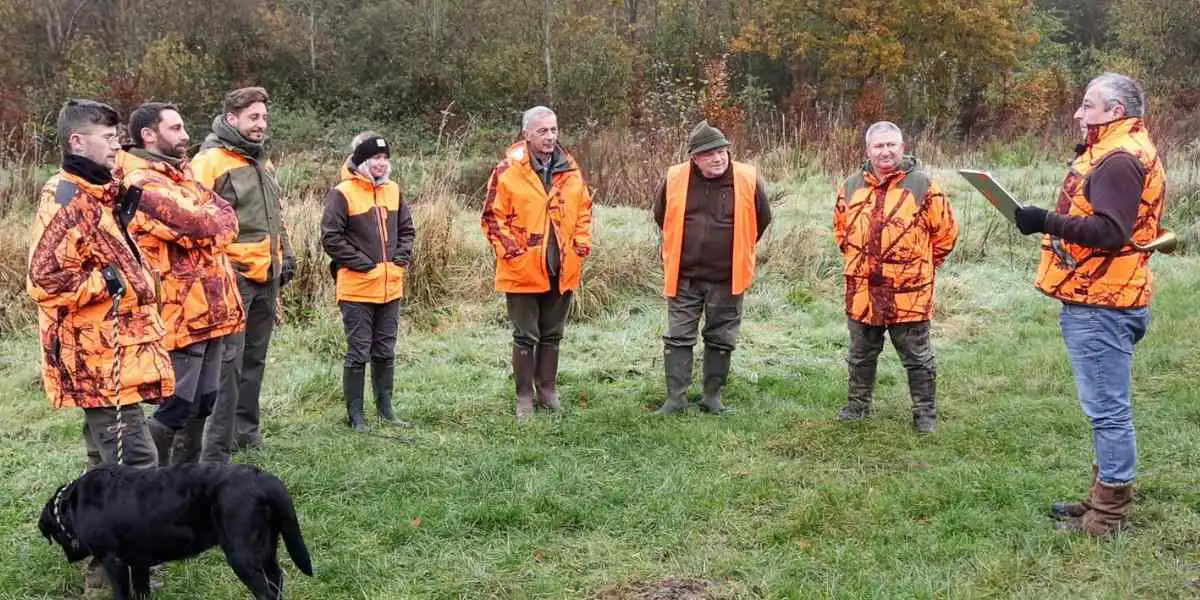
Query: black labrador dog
[133, 519]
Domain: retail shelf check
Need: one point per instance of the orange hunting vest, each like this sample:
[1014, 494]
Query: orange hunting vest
[1094, 276]
[745, 225]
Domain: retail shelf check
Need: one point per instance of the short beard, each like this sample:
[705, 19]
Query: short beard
[172, 151]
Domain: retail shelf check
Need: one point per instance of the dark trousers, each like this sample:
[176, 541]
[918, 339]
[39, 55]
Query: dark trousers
[244, 357]
[911, 341]
[197, 376]
[538, 319]
[100, 434]
[721, 309]
[370, 331]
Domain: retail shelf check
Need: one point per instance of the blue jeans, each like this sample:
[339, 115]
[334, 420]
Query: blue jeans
[1100, 344]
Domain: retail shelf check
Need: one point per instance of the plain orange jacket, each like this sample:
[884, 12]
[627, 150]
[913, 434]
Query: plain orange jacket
[745, 226]
[517, 216]
[1094, 276]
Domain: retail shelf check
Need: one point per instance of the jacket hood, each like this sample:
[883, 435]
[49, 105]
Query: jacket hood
[363, 174]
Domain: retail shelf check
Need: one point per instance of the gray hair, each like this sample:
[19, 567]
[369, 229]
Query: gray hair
[1115, 87]
[360, 138]
[533, 114]
[882, 127]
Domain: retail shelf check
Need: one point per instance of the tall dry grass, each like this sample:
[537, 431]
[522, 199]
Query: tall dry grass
[453, 267]
[21, 178]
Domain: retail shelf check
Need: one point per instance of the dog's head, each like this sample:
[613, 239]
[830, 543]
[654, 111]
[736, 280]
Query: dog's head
[57, 525]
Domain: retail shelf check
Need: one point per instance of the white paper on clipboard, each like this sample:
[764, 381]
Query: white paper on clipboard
[993, 191]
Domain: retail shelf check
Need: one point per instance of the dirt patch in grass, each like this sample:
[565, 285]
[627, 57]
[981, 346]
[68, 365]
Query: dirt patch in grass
[667, 589]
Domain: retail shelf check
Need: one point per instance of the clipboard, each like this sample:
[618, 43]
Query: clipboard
[993, 191]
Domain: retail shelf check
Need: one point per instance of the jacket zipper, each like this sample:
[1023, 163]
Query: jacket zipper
[379, 221]
[267, 212]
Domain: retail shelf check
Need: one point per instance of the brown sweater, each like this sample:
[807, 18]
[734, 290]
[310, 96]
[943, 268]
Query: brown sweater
[1115, 190]
[707, 253]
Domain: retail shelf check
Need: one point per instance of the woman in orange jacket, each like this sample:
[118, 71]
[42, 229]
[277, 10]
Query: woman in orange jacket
[367, 231]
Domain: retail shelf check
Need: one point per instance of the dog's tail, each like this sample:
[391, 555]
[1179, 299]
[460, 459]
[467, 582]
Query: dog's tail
[289, 526]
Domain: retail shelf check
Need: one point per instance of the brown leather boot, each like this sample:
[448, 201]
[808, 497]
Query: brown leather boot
[547, 378]
[1075, 510]
[1110, 509]
[523, 366]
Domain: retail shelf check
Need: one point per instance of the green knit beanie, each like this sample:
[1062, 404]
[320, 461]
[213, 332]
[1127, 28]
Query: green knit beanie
[705, 137]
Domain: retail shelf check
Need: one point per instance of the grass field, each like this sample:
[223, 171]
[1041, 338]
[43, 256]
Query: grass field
[776, 500]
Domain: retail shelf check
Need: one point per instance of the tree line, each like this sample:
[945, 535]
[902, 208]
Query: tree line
[961, 67]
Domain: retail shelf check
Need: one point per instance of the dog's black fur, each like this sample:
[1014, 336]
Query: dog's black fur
[133, 519]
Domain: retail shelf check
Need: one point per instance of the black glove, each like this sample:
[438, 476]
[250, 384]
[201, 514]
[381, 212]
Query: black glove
[127, 204]
[1031, 219]
[288, 272]
[112, 281]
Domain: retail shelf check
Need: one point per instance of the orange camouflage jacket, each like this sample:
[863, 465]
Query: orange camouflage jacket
[183, 230]
[76, 235]
[893, 234]
[1095, 276]
[518, 214]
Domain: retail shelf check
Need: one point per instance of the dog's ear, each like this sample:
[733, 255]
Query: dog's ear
[46, 521]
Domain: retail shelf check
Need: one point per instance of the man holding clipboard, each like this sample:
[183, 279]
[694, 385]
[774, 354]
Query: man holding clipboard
[1096, 247]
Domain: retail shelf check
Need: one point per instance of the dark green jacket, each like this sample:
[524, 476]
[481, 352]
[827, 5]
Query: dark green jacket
[238, 170]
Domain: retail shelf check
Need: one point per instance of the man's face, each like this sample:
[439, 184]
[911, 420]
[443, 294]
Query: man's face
[1092, 112]
[378, 165]
[712, 163]
[542, 134]
[884, 151]
[97, 143]
[169, 138]
[251, 122]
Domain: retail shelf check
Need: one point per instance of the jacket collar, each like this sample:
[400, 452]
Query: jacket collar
[908, 164]
[103, 192]
[519, 153]
[140, 158]
[349, 173]
[1112, 129]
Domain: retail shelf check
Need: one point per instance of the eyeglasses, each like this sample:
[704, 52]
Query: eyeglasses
[107, 137]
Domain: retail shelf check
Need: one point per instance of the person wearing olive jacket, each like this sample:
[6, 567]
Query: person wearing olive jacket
[233, 163]
[367, 231]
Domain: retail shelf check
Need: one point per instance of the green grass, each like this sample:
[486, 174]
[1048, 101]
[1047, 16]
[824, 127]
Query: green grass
[778, 500]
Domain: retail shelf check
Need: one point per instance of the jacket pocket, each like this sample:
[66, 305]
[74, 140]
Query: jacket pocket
[354, 286]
